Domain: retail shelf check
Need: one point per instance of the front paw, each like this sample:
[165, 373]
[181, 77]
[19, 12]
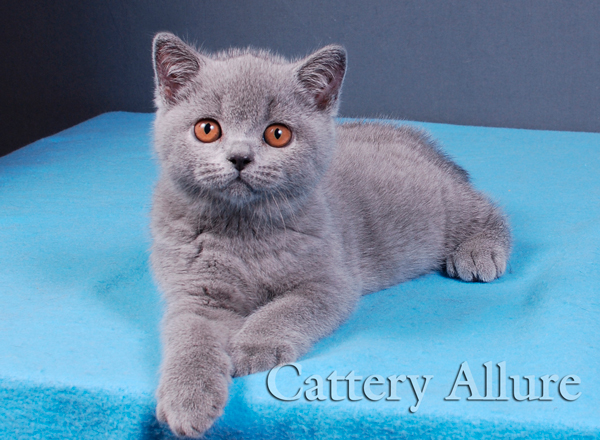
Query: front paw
[250, 355]
[190, 404]
[478, 259]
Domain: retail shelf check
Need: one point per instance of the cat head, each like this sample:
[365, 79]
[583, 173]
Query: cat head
[244, 127]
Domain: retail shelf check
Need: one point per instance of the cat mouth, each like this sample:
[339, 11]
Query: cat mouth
[240, 179]
[239, 189]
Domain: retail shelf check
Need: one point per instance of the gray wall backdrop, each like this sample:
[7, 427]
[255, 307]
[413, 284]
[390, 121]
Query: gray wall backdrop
[525, 64]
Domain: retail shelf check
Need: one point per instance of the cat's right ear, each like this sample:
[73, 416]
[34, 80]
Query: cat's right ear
[175, 65]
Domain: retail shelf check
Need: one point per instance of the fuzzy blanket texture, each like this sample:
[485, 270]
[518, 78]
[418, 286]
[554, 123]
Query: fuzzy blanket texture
[80, 313]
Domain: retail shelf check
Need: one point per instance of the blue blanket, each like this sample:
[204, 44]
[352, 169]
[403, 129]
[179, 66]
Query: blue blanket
[79, 312]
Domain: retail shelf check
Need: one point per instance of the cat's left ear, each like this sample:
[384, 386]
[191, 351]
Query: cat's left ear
[321, 75]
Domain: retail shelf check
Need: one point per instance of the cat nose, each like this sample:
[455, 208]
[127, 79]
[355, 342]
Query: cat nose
[240, 161]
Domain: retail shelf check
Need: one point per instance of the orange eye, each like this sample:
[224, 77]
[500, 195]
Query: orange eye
[207, 130]
[277, 135]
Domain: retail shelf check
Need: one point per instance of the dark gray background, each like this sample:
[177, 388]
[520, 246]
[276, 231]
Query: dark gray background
[526, 64]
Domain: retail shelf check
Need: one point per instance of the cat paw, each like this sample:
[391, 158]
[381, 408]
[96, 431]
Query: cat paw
[478, 259]
[190, 407]
[253, 356]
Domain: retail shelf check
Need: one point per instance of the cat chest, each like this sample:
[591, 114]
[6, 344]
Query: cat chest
[245, 274]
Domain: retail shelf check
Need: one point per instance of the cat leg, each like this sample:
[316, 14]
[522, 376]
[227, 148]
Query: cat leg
[196, 369]
[285, 328]
[483, 252]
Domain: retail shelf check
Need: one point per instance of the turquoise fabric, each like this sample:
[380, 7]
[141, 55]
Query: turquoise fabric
[79, 312]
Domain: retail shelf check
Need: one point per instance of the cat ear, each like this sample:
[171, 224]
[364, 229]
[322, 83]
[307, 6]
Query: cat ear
[175, 64]
[321, 75]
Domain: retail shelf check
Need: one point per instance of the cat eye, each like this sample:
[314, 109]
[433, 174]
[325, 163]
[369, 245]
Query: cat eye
[207, 130]
[277, 135]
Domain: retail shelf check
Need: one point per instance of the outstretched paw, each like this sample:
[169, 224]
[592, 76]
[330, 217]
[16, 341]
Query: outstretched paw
[478, 259]
[190, 405]
[252, 356]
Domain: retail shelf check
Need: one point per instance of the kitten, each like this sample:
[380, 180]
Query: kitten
[270, 220]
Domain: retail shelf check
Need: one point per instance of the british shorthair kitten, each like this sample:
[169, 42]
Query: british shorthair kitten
[270, 219]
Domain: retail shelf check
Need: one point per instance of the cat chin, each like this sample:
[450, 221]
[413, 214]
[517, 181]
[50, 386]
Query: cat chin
[236, 192]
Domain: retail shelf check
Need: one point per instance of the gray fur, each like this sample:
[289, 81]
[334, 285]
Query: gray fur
[256, 269]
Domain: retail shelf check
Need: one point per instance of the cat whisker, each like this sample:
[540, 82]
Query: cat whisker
[265, 177]
[280, 215]
[286, 200]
